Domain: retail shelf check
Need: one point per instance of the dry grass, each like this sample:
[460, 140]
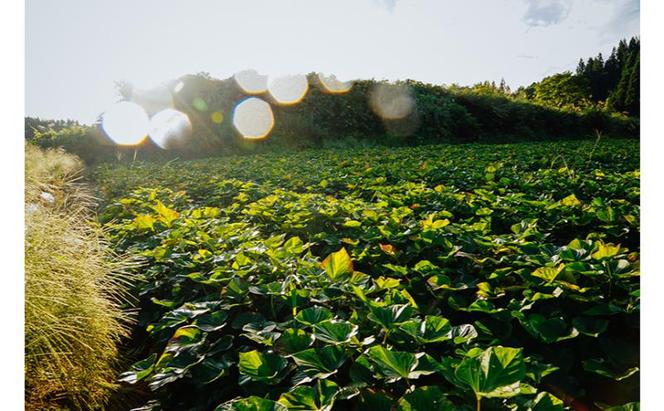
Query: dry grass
[74, 290]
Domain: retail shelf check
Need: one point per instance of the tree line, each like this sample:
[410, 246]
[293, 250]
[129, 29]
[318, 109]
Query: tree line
[601, 96]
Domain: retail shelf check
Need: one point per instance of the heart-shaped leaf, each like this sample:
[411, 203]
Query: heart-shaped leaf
[318, 398]
[263, 367]
[338, 265]
[430, 330]
[388, 317]
[394, 365]
[335, 331]
[320, 362]
[494, 372]
[313, 315]
[293, 340]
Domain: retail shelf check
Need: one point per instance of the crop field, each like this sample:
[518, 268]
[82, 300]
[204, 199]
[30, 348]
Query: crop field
[449, 277]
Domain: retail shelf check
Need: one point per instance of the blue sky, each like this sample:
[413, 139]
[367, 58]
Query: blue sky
[77, 49]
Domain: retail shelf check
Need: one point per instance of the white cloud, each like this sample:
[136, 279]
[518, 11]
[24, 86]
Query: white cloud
[546, 12]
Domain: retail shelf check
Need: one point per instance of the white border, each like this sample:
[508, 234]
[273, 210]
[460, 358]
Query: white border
[12, 73]
[652, 219]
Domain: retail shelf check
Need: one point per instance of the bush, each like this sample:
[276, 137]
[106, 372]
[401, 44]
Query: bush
[74, 290]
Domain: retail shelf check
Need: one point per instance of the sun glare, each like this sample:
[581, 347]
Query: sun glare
[169, 127]
[126, 123]
[288, 90]
[392, 101]
[153, 100]
[253, 118]
[251, 82]
[333, 85]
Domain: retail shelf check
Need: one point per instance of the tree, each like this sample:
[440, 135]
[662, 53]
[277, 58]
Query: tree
[563, 90]
[633, 94]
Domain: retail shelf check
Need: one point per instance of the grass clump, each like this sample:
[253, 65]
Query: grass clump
[74, 290]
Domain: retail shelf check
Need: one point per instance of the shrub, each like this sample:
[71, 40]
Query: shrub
[73, 290]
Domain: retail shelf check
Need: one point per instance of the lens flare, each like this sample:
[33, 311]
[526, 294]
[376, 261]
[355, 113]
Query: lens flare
[169, 128]
[288, 90]
[251, 82]
[333, 85]
[392, 101]
[153, 100]
[126, 123]
[199, 104]
[217, 117]
[253, 118]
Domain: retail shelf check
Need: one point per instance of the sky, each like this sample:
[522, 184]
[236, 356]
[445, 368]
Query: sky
[77, 49]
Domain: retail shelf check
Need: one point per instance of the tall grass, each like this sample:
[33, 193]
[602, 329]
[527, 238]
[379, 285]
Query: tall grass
[74, 290]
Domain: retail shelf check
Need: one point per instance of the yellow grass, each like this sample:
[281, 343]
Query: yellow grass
[74, 290]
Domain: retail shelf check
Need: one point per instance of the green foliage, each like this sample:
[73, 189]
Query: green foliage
[437, 277]
[615, 81]
[564, 91]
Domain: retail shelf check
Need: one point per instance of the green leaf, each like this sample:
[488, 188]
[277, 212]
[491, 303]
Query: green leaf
[605, 251]
[352, 224]
[570, 201]
[549, 330]
[549, 273]
[545, 402]
[390, 316]
[371, 400]
[427, 398]
[211, 369]
[606, 369]
[496, 372]
[185, 338]
[320, 362]
[263, 367]
[313, 315]
[212, 322]
[318, 398]
[590, 326]
[461, 334]
[395, 365]
[293, 340]
[252, 403]
[335, 331]
[139, 370]
[430, 330]
[166, 215]
[338, 265]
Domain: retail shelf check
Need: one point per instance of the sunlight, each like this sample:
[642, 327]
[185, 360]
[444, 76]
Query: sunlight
[333, 85]
[126, 123]
[288, 90]
[253, 118]
[153, 100]
[251, 82]
[392, 101]
[168, 127]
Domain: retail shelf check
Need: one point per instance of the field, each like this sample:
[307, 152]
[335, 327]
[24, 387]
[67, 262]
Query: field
[430, 278]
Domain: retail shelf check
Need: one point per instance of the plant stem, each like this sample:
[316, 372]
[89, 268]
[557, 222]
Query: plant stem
[478, 401]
